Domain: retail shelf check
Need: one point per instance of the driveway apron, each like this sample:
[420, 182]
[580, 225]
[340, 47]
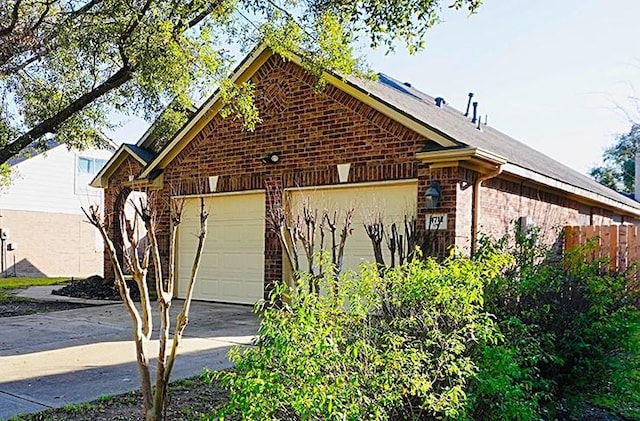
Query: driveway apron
[53, 359]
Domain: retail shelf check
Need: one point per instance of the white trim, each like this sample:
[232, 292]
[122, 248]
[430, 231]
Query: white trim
[340, 83]
[97, 180]
[353, 185]
[230, 193]
[213, 183]
[568, 188]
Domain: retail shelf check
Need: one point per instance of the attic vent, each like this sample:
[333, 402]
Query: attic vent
[440, 101]
[407, 84]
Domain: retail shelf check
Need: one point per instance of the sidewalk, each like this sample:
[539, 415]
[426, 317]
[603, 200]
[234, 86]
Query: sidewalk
[54, 359]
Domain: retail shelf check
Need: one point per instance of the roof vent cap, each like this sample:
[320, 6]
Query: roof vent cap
[440, 101]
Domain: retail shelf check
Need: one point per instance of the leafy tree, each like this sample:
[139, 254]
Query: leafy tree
[66, 65]
[618, 169]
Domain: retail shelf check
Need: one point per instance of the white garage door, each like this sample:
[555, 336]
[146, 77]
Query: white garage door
[391, 201]
[232, 267]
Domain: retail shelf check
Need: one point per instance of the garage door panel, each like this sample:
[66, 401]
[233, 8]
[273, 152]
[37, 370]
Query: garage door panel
[232, 266]
[391, 202]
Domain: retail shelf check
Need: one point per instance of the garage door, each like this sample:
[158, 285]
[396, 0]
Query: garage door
[391, 201]
[232, 267]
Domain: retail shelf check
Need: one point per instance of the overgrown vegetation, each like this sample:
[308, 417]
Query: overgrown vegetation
[570, 336]
[513, 333]
[368, 346]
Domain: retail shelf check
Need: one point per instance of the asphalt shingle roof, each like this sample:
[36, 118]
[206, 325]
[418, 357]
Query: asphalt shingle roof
[453, 124]
[145, 155]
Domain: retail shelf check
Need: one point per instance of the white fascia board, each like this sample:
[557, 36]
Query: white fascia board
[204, 109]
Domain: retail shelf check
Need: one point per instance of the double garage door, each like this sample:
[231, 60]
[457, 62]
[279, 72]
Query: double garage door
[232, 267]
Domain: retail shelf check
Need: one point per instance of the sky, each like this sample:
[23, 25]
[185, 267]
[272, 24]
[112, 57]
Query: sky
[557, 75]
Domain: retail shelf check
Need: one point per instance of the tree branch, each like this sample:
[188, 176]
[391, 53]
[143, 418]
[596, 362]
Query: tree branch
[49, 125]
[14, 20]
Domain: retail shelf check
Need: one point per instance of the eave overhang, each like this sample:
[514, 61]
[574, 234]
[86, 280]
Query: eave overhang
[469, 157]
[246, 70]
[101, 180]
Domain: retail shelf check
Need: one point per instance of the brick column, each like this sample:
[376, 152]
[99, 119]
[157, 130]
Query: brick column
[272, 246]
[438, 243]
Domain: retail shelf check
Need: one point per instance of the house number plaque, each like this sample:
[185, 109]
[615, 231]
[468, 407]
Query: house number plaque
[436, 222]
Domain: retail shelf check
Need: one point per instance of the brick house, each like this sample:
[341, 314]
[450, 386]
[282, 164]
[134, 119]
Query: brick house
[378, 146]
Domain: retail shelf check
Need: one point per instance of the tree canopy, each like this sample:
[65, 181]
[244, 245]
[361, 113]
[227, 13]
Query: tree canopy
[618, 169]
[67, 65]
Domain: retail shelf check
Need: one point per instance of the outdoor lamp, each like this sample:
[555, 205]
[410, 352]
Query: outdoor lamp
[433, 195]
[272, 158]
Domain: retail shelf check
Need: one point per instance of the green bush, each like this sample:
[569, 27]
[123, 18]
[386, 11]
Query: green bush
[515, 333]
[564, 321]
[367, 347]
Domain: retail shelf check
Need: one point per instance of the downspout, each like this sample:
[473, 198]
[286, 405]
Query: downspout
[476, 205]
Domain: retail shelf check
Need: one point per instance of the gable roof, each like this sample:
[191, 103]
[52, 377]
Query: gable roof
[444, 125]
[156, 136]
[139, 154]
[453, 122]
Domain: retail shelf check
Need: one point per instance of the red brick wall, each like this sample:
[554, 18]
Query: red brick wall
[114, 197]
[503, 201]
[312, 132]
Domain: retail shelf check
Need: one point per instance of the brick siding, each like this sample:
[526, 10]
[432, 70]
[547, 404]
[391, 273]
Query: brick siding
[313, 132]
[52, 244]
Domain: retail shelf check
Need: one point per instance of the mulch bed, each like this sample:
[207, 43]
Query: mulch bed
[95, 288]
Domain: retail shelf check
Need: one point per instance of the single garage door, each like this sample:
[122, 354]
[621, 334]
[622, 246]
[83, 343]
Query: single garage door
[391, 201]
[232, 266]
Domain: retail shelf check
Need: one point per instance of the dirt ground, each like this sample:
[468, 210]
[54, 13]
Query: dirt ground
[189, 399]
[22, 307]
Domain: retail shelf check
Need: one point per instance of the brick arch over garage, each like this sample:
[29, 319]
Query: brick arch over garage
[114, 200]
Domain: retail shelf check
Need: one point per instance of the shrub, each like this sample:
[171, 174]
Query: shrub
[563, 319]
[367, 347]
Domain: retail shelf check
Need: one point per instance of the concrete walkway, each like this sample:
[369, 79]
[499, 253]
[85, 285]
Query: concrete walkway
[52, 359]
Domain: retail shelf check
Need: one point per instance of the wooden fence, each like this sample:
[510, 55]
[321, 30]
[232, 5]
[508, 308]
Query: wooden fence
[619, 243]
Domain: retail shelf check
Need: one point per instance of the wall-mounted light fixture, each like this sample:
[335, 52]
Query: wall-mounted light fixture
[272, 158]
[433, 195]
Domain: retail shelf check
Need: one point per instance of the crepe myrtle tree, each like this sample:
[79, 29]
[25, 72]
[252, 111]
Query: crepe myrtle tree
[303, 235]
[67, 65]
[139, 258]
[404, 242]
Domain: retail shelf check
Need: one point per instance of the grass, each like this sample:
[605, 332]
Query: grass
[8, 284]
[13, 283]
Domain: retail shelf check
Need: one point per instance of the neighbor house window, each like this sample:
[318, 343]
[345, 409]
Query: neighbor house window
[90, 165]
[86, 170]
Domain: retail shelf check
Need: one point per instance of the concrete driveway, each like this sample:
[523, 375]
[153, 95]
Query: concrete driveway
[52, 359]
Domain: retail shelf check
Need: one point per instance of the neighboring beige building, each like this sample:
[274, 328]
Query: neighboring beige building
[46, 234]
